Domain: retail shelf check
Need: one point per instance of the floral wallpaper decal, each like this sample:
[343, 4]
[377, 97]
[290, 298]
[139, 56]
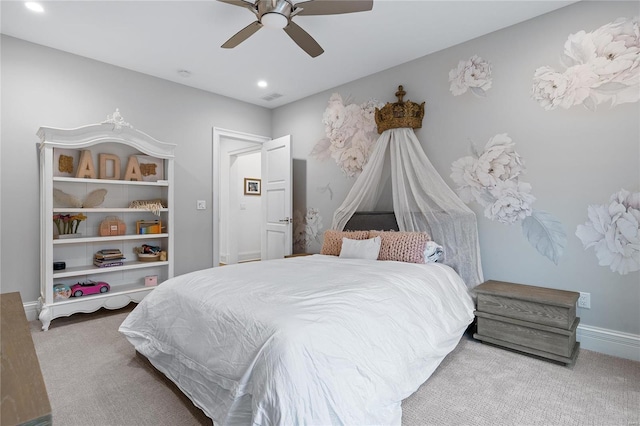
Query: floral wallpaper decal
[602, 66]
[473, 74]
[326, 188]
[306, 229]
[351, 133]
[492, 179]
[613, 230]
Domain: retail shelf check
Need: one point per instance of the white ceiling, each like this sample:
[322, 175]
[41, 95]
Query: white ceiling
[160, 38]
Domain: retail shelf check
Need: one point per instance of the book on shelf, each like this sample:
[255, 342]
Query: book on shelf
[108, 254]
[108, 251]
[109, 257]
[107, 264]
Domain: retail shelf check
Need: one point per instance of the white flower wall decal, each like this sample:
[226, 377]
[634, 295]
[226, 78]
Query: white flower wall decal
[351, 133]
[306, 229]
[473, 74]
[602, 66]
[613, 230]
[492, 179]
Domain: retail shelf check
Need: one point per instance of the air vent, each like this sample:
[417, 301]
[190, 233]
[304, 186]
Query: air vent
[271, 96]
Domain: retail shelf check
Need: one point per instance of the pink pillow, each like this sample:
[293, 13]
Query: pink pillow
[332, 244]
[402, 246]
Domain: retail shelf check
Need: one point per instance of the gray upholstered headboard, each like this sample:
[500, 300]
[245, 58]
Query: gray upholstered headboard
[366, 221]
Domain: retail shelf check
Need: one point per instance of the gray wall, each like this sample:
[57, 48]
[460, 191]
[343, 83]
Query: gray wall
[47, 87]
[574, 157]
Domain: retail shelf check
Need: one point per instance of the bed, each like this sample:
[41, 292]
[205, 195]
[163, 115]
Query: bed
[312, 340]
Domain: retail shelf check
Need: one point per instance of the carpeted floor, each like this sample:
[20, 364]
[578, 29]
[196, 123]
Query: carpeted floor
[94, 377]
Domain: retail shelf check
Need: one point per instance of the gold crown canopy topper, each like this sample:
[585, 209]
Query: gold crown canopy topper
[399, 114]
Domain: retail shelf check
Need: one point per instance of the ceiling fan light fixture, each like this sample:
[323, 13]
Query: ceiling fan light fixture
[280, 13]
[274, 20]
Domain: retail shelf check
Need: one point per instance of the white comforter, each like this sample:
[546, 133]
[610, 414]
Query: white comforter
[302, 341]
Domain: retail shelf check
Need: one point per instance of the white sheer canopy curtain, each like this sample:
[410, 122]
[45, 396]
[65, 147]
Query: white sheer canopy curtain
[422, 201]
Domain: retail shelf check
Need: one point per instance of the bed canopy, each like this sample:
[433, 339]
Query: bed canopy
[422, 201]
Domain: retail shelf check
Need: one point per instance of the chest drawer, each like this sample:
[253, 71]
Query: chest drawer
[555, 308]
[554, 340]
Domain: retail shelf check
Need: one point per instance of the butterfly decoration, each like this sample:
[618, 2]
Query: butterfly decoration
[93, 199]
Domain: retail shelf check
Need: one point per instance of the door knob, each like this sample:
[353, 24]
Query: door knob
[286, 220]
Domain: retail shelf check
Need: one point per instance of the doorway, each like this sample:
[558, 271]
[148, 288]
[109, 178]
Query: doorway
[240, 210]
[233, 153]
[273, 187]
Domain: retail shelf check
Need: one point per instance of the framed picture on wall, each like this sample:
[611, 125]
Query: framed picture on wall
[252, 186]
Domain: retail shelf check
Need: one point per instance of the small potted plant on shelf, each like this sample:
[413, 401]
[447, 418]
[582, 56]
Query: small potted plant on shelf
[67, 225]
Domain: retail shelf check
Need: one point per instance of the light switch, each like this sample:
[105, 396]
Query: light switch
[201, 205]
[243, 206]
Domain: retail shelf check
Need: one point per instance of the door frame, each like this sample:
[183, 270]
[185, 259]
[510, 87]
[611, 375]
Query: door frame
[218, 135]
[234, 180]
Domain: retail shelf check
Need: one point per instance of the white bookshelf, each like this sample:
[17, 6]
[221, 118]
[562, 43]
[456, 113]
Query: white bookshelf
[126, 281]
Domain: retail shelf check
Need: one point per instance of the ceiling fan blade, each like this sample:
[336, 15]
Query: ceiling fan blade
[242, 3]
[332, 7]
[303, 39]
[242, 35]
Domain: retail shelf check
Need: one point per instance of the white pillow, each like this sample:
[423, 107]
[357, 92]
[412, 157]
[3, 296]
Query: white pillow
[361, 249]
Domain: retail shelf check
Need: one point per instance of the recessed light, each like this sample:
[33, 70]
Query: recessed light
[262, 83]
[35, 7]
[184, 73]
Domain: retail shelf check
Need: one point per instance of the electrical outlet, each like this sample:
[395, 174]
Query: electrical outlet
[201, 205]
[584, 301]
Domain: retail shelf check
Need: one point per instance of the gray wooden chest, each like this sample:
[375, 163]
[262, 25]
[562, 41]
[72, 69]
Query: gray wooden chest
[535, 320]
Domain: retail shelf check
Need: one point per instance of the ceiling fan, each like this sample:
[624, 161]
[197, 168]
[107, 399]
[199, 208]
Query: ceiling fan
[279, 14]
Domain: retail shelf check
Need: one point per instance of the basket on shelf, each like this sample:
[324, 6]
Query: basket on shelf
[145, 257]
[148, 253]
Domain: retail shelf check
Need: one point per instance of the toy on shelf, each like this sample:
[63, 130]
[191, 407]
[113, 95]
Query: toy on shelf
[61, 291]
[89, 287]
[149, 227]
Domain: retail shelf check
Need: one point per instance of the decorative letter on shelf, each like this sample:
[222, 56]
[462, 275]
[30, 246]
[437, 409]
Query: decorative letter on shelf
[86, 168]
[133, 170]
[103, 166]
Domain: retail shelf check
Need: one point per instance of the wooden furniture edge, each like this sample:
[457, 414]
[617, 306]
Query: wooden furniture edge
[543, 327]
[23, 394]
[501, 343]
[562, 298]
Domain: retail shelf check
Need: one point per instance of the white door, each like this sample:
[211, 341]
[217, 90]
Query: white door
[277, 222]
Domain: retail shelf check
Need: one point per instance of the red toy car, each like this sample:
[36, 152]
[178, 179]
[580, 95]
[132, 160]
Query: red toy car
[90, 287]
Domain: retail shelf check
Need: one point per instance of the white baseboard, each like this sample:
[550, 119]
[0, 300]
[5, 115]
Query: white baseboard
[242, 257]
[31, 310]
[249, 255]
[610, 342]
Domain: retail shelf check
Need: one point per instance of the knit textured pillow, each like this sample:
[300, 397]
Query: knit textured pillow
[402, 246]
[332, 243]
